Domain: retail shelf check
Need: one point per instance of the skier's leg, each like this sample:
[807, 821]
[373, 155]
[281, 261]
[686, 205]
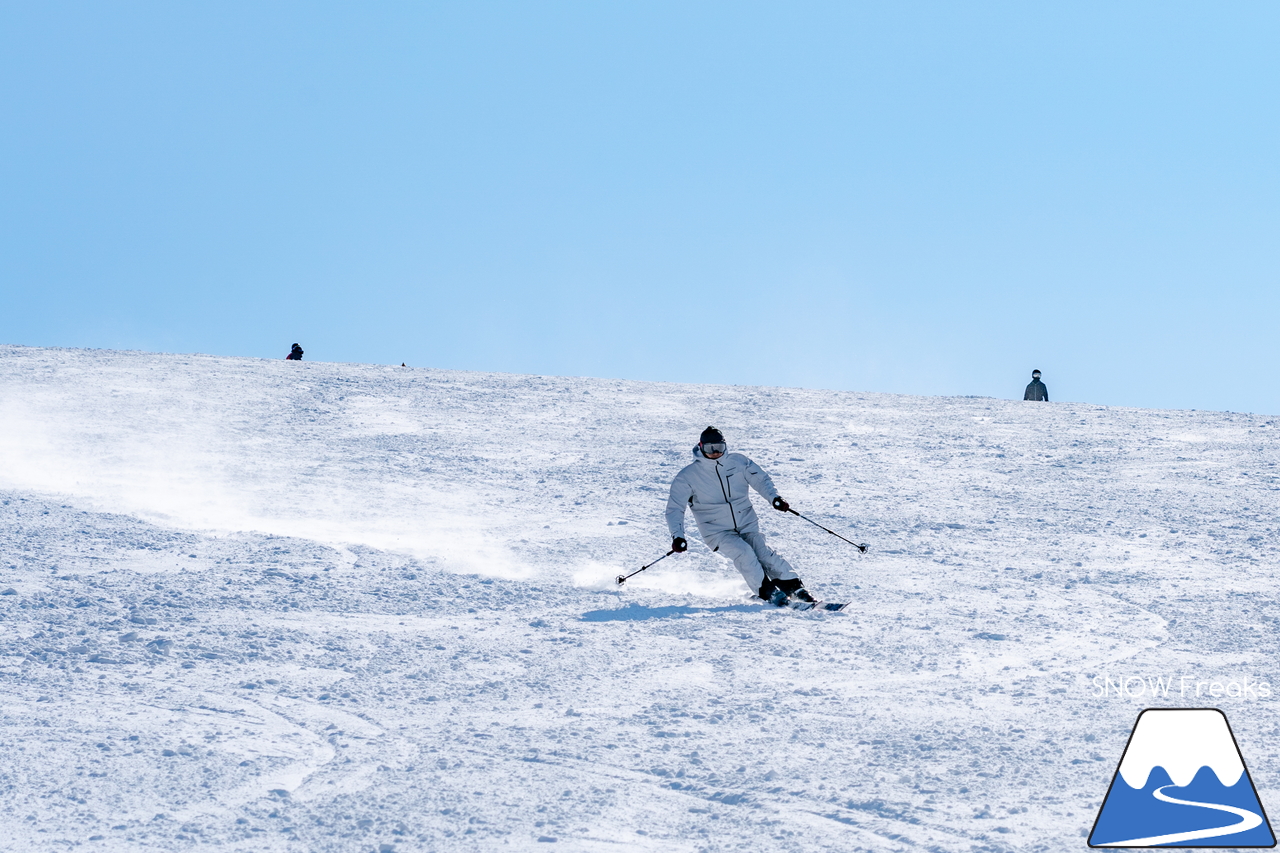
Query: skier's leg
[775, 566]
[734, 547]
[777, 570]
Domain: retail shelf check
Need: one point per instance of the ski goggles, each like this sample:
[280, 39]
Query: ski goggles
[714, 447]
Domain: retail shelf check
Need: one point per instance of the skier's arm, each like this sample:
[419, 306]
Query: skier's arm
[677, 500]
[1044, 391]
[760, 481]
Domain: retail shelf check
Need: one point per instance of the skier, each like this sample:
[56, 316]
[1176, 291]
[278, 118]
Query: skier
[295, 354]
[1036, 390]
[714, 486]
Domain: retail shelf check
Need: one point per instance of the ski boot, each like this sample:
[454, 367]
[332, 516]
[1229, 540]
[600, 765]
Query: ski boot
[795, 589]
[770, 592]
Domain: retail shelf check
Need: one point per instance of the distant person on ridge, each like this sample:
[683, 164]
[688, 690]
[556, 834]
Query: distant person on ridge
[1036, 390]
[714, 486]
[295, 354]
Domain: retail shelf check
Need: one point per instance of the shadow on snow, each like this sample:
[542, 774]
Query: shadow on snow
[638, 612]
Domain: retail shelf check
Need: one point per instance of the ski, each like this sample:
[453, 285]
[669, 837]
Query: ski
[803, 606]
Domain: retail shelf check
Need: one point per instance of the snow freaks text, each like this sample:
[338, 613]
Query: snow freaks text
[1179, 687]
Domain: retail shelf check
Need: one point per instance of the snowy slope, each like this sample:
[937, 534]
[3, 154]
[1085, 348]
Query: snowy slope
[260, 605]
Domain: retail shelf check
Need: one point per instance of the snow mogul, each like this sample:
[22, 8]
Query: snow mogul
[714, 486]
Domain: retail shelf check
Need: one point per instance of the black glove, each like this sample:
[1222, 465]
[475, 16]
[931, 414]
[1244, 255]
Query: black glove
[781, 505]
[679, 545]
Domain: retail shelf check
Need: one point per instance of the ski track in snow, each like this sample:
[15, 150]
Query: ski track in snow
[259, 605]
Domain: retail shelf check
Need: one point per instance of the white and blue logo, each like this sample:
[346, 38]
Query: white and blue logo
[1182, 783]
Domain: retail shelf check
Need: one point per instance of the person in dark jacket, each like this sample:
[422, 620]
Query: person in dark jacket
[1036, 390]
[295, 354]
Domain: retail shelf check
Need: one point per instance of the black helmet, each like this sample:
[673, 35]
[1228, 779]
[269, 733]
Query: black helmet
[712, 442]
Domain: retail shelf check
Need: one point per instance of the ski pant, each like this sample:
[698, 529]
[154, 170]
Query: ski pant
[752, 556]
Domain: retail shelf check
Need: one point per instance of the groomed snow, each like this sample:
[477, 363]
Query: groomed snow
[270, 606]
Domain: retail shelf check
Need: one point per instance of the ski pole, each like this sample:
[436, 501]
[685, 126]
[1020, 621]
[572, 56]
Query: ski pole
[623, 578]
[862, 547]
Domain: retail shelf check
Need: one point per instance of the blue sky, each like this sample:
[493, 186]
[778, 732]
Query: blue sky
[927, 198]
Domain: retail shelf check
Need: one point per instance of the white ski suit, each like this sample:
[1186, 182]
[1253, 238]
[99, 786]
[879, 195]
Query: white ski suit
[716, 491]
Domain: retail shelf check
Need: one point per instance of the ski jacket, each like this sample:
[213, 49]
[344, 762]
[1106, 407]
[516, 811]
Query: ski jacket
[1037, 391]
[716, 491]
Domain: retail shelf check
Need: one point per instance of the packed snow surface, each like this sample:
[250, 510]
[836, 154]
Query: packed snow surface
[275, 606]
